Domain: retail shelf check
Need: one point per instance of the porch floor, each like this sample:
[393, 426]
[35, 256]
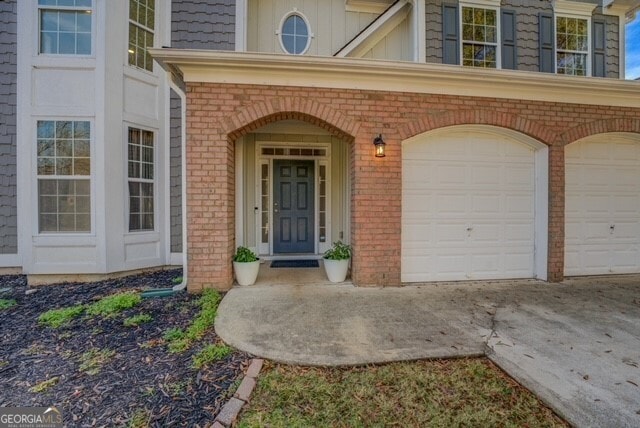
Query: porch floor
[269, 276]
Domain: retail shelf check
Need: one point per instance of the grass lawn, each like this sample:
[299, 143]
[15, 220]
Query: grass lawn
[435, 393]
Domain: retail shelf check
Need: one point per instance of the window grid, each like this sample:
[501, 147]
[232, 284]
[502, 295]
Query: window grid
[64, 176]
[294, 34]
[479, 37]
[572, 45]
[141, 33]
[322, 210]
[140, 174]
[264, 220]
[65, 27]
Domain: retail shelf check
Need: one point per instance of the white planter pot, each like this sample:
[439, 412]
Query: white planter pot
[246, 273]
[336, 269]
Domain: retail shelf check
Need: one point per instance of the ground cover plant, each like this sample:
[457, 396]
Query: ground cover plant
[97, 351]
[436, 393]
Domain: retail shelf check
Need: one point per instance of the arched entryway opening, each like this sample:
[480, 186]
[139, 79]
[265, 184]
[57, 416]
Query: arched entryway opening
[292, 188]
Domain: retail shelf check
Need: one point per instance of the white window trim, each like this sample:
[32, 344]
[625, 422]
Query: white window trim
[295, 11]
[40, 237]
[572, 9]
[127, 179]
[38, 24]
[589, 50]
[144, 27]
[480, 4]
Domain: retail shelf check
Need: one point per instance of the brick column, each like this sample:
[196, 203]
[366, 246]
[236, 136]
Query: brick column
[210, 197]
[376, 198]
[555, 264]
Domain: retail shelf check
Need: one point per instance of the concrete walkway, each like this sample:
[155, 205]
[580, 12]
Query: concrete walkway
[575, 344]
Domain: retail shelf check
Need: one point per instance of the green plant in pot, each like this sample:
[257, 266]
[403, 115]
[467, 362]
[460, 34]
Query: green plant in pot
[336, 261]
[246, 266]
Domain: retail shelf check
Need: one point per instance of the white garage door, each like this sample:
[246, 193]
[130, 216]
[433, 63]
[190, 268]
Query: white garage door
[467, 207]
[602, 207]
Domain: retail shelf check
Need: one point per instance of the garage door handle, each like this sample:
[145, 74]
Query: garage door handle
[612, 227]
[469, 229]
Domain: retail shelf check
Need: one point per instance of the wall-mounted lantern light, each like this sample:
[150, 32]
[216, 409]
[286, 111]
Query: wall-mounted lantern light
[379, 143]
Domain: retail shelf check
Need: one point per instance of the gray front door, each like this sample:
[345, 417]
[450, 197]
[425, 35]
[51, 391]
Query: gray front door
[293, 213]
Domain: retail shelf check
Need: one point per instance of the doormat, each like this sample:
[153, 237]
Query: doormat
[295, 264]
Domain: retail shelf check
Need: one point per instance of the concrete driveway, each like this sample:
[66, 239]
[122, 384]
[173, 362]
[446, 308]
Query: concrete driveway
[575, 344]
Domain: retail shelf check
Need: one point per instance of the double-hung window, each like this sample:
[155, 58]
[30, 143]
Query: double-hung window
[64, 176]
[572, 45]
[141, 31]
[140, 167]
[65, 27]
[479, 37]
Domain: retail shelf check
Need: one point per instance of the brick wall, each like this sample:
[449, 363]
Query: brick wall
[217, 114]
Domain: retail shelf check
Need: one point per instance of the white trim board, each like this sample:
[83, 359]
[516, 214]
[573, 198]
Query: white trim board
[10, 261]
[365, 74]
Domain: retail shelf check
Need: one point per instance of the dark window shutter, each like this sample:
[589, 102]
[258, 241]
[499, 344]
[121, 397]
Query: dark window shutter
[599, 48]
[450, 34]
[547, 43]
[508, 36]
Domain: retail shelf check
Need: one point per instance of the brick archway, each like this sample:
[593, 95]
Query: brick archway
[602, 126]
[479, 117]
[260, 114]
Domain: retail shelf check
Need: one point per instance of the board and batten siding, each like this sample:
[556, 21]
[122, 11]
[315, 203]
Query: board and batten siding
[396, 46]
[8, 97]
[331, 25]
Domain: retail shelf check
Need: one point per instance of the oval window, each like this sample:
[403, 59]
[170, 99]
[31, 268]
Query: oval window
[295, 34]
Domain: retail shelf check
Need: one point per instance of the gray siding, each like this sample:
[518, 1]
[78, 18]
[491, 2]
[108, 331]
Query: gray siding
[203, 24]
[175, 173]
[613, 44]
[8, 73]
[527, 30]
[526, 33]
[434, 30]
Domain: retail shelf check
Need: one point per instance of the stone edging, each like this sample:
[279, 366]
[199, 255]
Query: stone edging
[229, 413]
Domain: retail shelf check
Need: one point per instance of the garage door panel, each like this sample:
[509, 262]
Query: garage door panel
[626, 231]
[451, 204]
[482, 175]
[450, 175]
[519, 233]
[518, 263]
[483, 265]
[452, 234]
[603, 189]
[596, 232]
[625, 152]
[478, 181]
[624, 177]
[486, 204]
[518, 176]
[624, 258]
[485, 234]
[592, 204]
[628, 204]
[520, 204]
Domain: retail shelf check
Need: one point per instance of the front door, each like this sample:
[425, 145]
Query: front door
[293, 212]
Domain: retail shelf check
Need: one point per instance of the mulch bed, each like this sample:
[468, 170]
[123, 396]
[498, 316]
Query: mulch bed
[142, 380]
